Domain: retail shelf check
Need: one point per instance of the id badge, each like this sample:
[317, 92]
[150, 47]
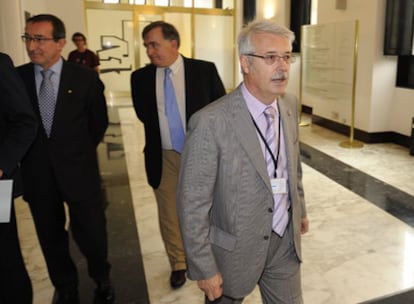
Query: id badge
[279, 185]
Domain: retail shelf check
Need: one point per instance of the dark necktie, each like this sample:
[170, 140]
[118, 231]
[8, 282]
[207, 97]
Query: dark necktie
[47, 101]
[175, 125]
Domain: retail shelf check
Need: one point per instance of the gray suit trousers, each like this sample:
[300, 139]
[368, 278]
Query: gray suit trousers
[280, 282]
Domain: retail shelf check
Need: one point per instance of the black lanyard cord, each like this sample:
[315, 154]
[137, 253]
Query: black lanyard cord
[275, 159]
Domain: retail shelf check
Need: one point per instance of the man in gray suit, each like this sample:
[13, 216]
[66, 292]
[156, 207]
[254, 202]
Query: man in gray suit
[240, 197]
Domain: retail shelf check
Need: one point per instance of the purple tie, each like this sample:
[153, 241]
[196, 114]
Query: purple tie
[280, 214]
[270, 137]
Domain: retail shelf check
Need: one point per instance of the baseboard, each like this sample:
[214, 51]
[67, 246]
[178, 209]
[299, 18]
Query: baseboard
[366, 137]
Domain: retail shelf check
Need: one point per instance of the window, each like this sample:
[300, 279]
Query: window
[398, 39]
[223, 4]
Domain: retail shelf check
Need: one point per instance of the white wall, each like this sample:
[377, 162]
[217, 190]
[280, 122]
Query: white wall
[12, 22]
[275, 10]
[402, 111]
[71, 12]
[12, 27]
[379, 105]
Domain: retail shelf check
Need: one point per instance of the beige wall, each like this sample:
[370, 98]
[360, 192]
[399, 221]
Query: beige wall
[380, 106]
[12, 22]
[72, 14]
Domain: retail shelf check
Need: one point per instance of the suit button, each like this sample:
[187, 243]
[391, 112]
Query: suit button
[270, 210]
[266, 237]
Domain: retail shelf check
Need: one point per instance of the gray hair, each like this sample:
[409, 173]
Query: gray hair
[261, 26]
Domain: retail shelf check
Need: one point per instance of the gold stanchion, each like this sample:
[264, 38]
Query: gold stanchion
[351, 143]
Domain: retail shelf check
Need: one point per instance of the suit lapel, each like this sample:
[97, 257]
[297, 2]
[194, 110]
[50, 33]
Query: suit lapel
[191, 102]
[150, 101]
[64, 90]
[28, 76]
[247, 135]
[289, 126]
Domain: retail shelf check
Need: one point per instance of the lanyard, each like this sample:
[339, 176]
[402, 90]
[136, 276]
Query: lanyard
[275, 159]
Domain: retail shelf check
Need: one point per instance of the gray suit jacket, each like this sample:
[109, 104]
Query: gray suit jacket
[224, 193]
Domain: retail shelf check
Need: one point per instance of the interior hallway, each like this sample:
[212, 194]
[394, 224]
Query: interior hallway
[361, 208]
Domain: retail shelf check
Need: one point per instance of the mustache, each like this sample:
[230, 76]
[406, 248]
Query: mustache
[281, 75]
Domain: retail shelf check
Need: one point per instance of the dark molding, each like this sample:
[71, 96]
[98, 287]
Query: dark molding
[366, 137]
[249, 11]
[300, 13]
[398, 32]
[405, 72]
[306, 109]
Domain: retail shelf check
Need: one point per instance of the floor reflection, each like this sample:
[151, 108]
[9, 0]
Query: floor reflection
[360, 203]
[389, 198]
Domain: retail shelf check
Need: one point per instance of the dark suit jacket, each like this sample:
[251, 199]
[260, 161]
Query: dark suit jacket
[67, 160]
[202, 86]
[17, 120]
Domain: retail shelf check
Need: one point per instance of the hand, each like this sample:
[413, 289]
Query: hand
[1, 173]
[212, 287]
[304, 225]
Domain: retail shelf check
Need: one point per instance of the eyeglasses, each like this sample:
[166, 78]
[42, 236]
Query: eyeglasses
[40, 40]
[270, 59]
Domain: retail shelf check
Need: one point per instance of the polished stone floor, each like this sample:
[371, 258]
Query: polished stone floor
[360, 248]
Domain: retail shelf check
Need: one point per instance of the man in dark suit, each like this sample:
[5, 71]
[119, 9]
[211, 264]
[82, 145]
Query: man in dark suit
[17, 131]
[61, 165]
[195, 84]
[240, 196]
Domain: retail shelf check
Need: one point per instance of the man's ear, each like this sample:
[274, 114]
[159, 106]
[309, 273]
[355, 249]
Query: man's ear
[244, 64]
[62, 43]
[174, 43]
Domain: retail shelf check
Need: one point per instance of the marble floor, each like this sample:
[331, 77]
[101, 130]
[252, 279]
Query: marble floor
[359, 249]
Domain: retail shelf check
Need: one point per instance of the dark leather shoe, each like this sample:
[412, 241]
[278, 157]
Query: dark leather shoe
[177, 278]
[66, 296]
[104, 293]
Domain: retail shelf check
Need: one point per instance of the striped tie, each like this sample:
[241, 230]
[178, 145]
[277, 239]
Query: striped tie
[270, 137]
[280, 214]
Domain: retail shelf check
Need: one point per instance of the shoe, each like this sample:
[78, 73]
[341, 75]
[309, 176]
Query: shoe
[177, 278]
[104, 293]
[66, 296]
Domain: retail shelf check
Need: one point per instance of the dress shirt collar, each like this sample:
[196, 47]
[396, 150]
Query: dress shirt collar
[176, 65]
[56, 68]
[255, 106]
